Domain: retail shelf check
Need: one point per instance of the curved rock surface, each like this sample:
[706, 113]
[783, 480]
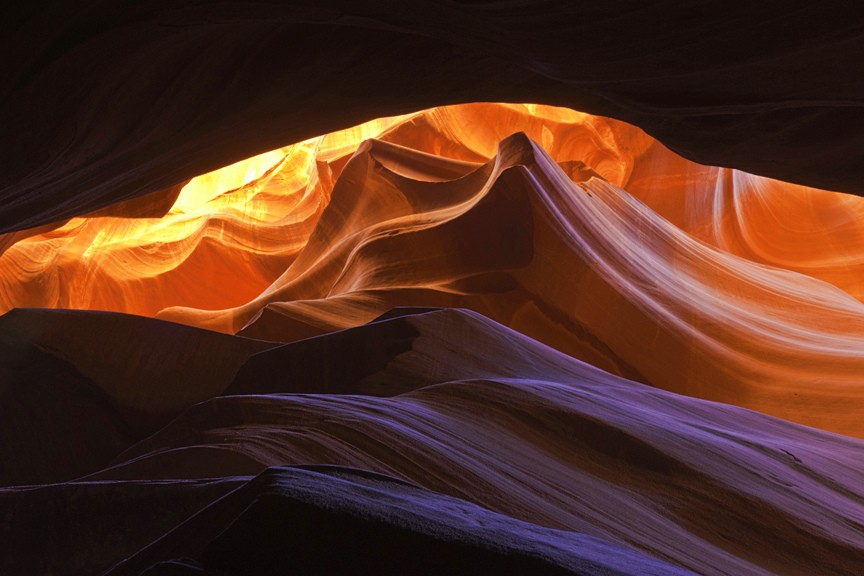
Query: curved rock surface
[133, 445]
[582, 266]
[561, 253]
[234, 231]
[231, 233]
[558, 251]
[79, 387]
[327, 520]
[471, 410]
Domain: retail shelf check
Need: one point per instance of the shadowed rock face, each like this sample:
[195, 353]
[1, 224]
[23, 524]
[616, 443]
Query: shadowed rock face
[482, 416]
[103, 104]
[77, 388]
[326, 520]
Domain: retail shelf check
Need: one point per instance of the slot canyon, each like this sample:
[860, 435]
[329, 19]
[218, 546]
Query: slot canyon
[432, 288]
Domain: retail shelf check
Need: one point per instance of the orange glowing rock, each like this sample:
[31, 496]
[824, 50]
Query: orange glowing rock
[584, 233]
[226, 237]
[230, 233]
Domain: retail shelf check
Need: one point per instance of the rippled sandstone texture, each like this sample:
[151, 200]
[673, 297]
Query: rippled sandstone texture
[582, 462]
[432, 440]
[520, 458]
[666, 285]
[236, 241]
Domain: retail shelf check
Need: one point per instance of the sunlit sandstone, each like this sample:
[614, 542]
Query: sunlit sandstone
[587, 235]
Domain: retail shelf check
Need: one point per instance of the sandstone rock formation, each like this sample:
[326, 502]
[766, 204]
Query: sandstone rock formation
[557, 251]
[473, 411]
[484, 338]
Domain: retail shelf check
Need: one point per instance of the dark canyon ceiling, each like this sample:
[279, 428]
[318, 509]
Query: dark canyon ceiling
[105, 101]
